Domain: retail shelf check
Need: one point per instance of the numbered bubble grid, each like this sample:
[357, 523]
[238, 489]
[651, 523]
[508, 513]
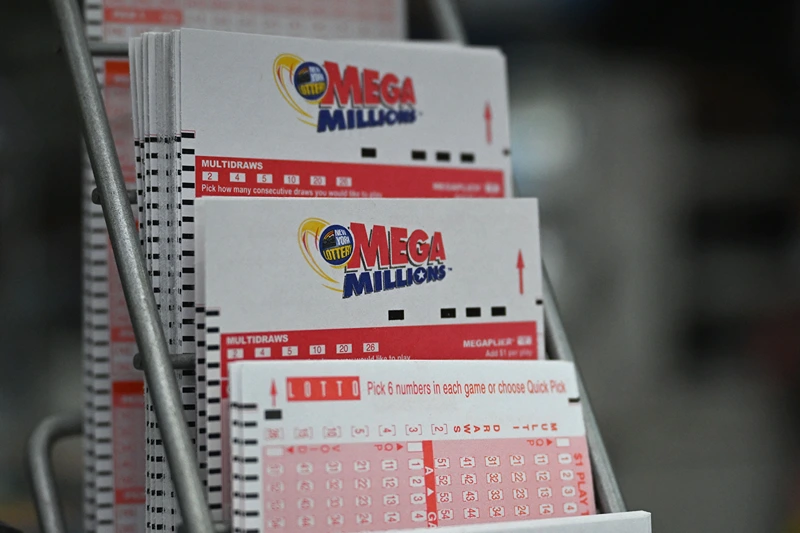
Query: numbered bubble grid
[351, 487]
[366, 486]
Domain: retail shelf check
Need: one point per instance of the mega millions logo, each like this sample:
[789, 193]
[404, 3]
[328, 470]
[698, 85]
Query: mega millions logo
[334, 99]
[358, 259]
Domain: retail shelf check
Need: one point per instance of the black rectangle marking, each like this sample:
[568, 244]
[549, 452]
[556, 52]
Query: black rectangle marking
[467, 157]
[448, 312]
[473, 312]
[419, 155]
[369, 152]
[499, 311]
[273, 414]
[443, 156]
[397, 314]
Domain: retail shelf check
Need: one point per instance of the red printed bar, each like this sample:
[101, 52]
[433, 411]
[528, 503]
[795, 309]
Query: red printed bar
[129, 496]
[117, 74]
[128, 421]
[324, 389]
[122, 334]
[430, 484]
[216, 176]
[503, 340]
[128, 393]
[171, 17]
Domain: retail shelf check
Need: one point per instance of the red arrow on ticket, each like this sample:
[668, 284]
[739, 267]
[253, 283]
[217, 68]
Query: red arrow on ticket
[273, 391]
[487, 115]
[520, 267]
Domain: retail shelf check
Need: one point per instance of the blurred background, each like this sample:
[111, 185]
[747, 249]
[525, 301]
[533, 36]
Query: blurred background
[661, 137]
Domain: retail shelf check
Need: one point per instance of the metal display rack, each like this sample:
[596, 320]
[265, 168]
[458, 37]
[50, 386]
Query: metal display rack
[154, 357]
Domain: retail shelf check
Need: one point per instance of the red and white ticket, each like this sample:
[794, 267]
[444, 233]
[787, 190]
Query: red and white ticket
[114, 489]
[340, 119]
[372, 279]
[371, 446]
[119, 20]
[297, 279]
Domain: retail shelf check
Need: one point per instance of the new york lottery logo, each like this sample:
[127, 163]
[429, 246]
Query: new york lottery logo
[330, 99]
[355, 260]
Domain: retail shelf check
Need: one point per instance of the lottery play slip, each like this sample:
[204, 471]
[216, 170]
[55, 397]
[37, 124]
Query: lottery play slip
[115, 487]
[224, 114]
[114, 479]
[296, 279]
[355, 446]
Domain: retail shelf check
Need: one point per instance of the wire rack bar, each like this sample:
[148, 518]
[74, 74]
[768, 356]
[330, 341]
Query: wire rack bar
[136, 285]
[108, 49]
[447, 21]
[40, 443]
[609, 497]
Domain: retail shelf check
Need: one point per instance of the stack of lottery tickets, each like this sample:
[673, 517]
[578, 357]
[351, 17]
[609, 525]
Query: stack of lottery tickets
[249, 274]
[115, 487]
[330, 221]
[284, 117]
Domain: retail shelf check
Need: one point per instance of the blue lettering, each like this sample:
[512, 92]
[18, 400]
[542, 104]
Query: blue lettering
[368, 282]
[388, 284]
[371, 119]
[357, 284]
[330, 120]
[360, 116]
[420, 274]
[398, 278]
[341, 119]
[406, 116]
